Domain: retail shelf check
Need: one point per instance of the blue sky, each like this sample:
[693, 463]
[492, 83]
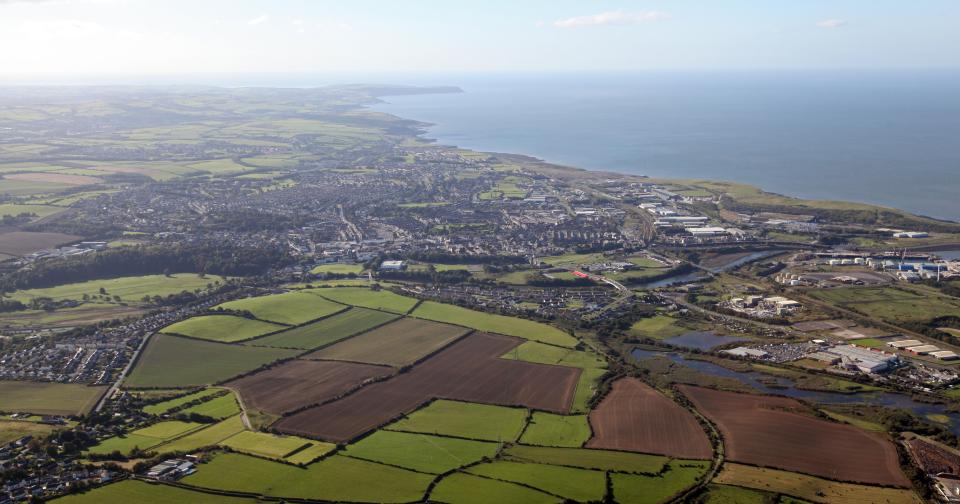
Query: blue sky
[48, 37]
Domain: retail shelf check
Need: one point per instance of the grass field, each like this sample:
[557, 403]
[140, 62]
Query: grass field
[130, 289]
[208, 436]
[655, 489]
[273, 446]
[48, 398]
[396, 344]
[338, 269]
[336, 479]
[725, 494]
[310, 454]
[148, 493]
[326, 331]
[466, 420]
[586, 389]
[658, 327]
[420, 452]
[218, 408]
[460, 488]
[890, 304]
[223, 328]
[288, 308]
[165, 406]
[588, 458]
[577, 484]
[547, 429]
[499, 324]
[146, 437]
[533, 351]
[13, 209]
[366, 298]
[12, 430]
[196, 362]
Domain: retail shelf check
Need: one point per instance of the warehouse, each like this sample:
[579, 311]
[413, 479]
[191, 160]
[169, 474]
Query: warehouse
[864, 360]
[923, 349]
[900, 344]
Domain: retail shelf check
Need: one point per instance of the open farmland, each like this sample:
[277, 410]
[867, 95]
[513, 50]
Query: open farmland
[326, 331]
[84, 314]
[130, 289]
[462, 488]
[468, 370]
[420, 452]
[498, 324]
[298, 383]
[635, 417]
[465, 420]
[548, 429]
[367, 298]
[146, 438]
[890, 304]
[208, 436]
[148, 493]
[581, 485]
[48, 398]
[224, 328]
[780, 432]
[12, 430]
[177, 402]
[19, 243]
[396, 344]
[40, 211]
[639, 489]
[217, 408]
[533, 351]
[588, 458]
[288, 308]
[272, 446]
[54, 178]
[172, 361]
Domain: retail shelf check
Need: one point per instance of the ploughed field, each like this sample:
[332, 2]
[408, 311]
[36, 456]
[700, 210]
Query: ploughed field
[782, 433]
[396, 344]
[468, 370]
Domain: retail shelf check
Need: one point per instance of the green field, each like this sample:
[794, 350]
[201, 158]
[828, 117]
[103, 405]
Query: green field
[12, 430]
[586, 389]
[460, 488]
[272, 446]
[218, 408]
[658, 327]
[145, 438]
[288, 308]
[336, 478]
[171, 361]
[308, 455]
[367, 298]
[208, 436]
[547, 429]
[138, 492]
[130, 289]
[48, 398]
[167, 430]
[655, 489]
[577, 484]
[533, 351]
[13, 209]
[338, 269]
[726, 494]
[890, 304]
[165, 406]
[466, 420]
[326, 331]
[420, 452]
[573, 259]
[588, 458]
[499, 324]
[397, 344]
[224, 328]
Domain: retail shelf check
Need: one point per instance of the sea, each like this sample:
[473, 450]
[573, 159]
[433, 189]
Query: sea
[890, 138]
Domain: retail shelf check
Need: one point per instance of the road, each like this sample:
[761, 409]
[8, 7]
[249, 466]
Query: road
[123, 374]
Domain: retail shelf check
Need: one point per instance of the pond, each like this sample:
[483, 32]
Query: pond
[680, 278]
[786, 387]
[702, 340]
[741, 260]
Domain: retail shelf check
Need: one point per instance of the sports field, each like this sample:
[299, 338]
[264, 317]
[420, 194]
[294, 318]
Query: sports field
[338, 269]
[326, 331]
[130, 289]
[290, 308]
[367, 298]
[420, 452]
[396, 344]
[224, 328]
[147, 493]
[46, 398]
[499, 324]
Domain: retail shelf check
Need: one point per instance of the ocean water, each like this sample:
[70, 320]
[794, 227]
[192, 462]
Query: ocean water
[883, 137]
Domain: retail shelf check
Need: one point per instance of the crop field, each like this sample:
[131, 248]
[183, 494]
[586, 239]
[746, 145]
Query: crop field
[465, 420]
[337, 478]
[46, 398]
[165, 406]
[533, 351]
[635, 417]
[222, 328]
[396, 344]
[420, 452]
[12, 430]
[218, 407]
[272, 446]
[326, 331]
[462, 488]
[892, 305]
[338, 269]
[300, 383]
[811, 488]
[288, 308]
[148, 493]
[87, 313]
[499, 324]
[130, 289]
[366, 298]
[577, 484]
[780, 432]
[588, 458]
[19, 243]
[547, 429]
[654, 489]
[468, 370]
[171, 361]
[208, 436]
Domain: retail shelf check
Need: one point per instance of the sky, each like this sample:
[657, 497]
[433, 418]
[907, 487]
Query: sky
[42, 38]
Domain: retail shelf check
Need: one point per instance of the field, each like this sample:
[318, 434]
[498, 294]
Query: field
[811, 488]
[300, 383]
[420, 452]
[87, 313]
[13, 209]
[27, 187]
[19, 243]
[12, 430]
[533, 351]
[171, 361]
[218, 408]
[268, 445]
[635, 417]
[586, 389]
[148, 493]
[465, 420]
[339, 269]
[890, 304]
[398, 343]
[725, 494]
[165, 406]
[337, 478]
[288, 308]
[130, 289]
[468, 370]
[461, 488]
[208, 436]
[637, 489]
[547, 429]
[146, 437]
[658, 327]
[223, 328]
[326, 331]
[498, 324]
[586, 458]
[366, 298]
[53, 178]
[48, 398]
[780, 432]
[577, 484]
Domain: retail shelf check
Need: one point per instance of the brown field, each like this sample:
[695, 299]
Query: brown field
[396, 344]
[811, 488]
[59, 178]
[300, 383]
[780, 432]
[635, 417]
[468, 370]
[18, 243]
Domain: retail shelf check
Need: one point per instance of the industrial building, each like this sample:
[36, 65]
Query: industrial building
[864, 360]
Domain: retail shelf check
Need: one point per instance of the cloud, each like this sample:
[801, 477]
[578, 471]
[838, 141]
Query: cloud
[617, 17]
[258, 20]
[831, 23]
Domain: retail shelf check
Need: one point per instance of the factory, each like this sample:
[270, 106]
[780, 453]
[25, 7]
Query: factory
[864, 360]
[918, 347]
